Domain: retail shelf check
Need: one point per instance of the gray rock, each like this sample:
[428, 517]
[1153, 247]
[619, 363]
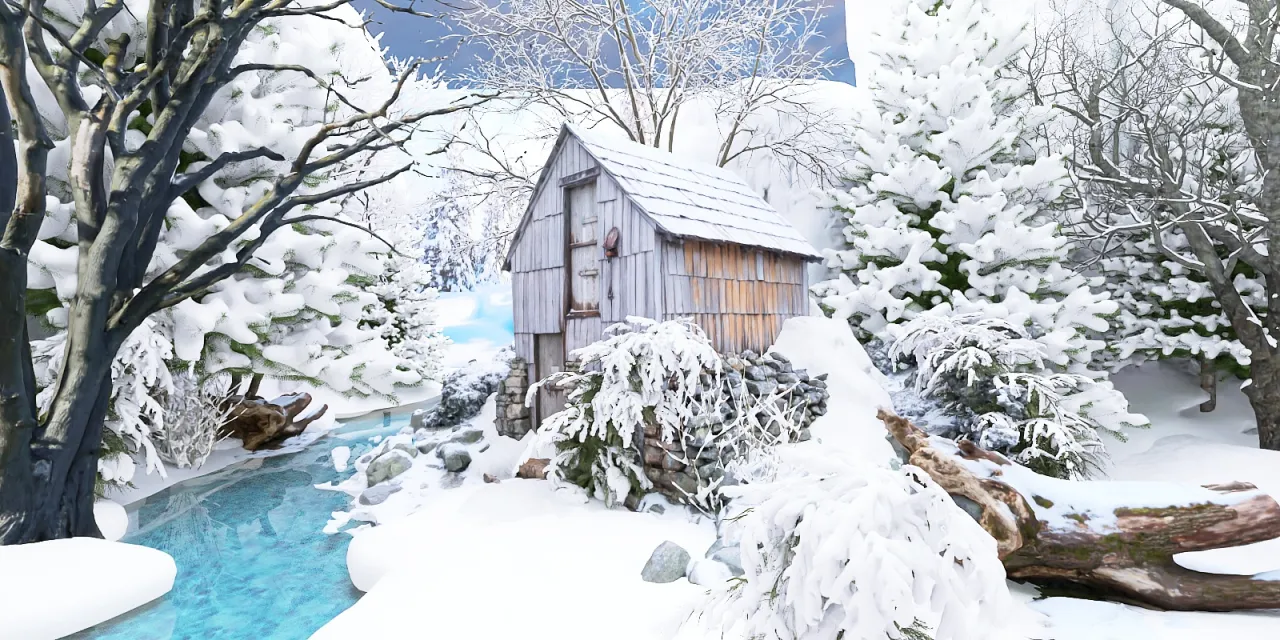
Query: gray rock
[820, 376]
[668, 563]
[378, 493]
[761, 387]
[427, 446]
[418, 418]
[387, 466]
[455, 457]
[468, 436]
[817, 384]
[779, 357]
[729, 556]
[805, 435]
[406, 447]
[757, 373]
[749, 355]
[787, 378]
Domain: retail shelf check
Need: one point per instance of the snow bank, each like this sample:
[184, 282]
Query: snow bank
[56, 588]
[517, 559]
[823, 345]
[1073, 619]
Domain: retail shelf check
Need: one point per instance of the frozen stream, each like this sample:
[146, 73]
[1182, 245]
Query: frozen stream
[253, 563]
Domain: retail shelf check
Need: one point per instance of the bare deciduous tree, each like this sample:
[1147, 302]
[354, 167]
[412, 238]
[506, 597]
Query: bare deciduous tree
[1174, 116]
[121, 194]
[752, 65]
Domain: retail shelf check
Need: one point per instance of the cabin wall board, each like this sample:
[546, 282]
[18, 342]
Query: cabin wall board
[739, 295]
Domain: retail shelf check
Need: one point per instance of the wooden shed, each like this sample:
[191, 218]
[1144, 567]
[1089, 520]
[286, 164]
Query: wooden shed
[645, 233]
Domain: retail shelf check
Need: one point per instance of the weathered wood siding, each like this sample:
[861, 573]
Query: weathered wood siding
[539, 300]
[632, 283]
[740, 296]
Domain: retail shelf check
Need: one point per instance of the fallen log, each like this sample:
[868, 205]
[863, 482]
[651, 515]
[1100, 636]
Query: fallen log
[1117, 539]
[266, 424]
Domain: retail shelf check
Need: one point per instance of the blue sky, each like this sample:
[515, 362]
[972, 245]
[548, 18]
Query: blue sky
[409, 36]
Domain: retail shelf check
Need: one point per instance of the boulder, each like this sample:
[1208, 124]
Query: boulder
[378, 493]
[387, 466]
[466, 436]
[709, 573]
[668, 563]
[728, 555]
[455, 457]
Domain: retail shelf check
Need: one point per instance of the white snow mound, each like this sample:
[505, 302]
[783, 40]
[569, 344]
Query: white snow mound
[56, 588]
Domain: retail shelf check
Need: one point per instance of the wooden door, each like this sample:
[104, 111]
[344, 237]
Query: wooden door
[584, 254]
[548, 353]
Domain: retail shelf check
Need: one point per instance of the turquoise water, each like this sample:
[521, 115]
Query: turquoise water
[253, 563]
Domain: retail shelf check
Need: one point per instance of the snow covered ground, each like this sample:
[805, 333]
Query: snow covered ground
[56, 588]
[1182, 445]
[518, 558]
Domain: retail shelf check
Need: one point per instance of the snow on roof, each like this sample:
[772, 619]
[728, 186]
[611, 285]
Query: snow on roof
[690, 199]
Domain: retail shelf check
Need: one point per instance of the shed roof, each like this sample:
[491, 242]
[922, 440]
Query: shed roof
[690, 199]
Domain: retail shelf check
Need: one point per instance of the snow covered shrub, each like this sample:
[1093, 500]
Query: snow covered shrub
[951, 204]
[406, 316]
[833, 550]
[997, 385]
[644, 373]
[464, 392]
[194, 412]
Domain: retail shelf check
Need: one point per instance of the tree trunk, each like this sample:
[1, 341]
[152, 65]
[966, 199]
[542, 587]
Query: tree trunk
[254, 384]
[1117, 539]
[1208, 382]
[1263, 392]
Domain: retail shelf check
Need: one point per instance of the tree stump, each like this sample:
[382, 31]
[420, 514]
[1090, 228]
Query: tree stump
[1117, 539]
[266, 424]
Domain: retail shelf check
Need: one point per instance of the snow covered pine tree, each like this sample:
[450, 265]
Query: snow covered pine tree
[950, 203]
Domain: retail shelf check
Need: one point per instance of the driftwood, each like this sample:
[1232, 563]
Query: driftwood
[266, 424]
[1116, 539]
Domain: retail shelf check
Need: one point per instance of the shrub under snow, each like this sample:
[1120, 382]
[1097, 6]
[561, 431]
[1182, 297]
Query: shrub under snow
[646, 375]
[837, 551]
[996, 384]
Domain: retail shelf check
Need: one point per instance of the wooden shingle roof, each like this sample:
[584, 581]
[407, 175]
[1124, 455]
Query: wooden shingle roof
[688, 199]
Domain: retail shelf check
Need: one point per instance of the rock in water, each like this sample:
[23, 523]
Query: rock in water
[668, 563]
[455, 457]
[378, 494]
[388, 466]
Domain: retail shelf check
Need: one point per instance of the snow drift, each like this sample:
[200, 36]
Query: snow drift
[56, 588]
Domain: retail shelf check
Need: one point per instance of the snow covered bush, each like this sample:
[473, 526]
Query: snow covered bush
[464, 392]
[194, 412]
[995, 384]
[833, 550]
[642, 374]
[950, 204]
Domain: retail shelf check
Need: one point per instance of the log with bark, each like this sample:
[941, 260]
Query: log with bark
[1115, 539]
[265, 424]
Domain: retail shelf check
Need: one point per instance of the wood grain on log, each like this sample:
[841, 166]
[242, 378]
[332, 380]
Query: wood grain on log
[1078, 533]
[266, 424]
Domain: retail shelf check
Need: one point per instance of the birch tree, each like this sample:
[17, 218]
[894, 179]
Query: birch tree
[129, 104]
[1174, 112]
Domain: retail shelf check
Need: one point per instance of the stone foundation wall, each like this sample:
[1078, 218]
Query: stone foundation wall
[512, 418]
[677, 469]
